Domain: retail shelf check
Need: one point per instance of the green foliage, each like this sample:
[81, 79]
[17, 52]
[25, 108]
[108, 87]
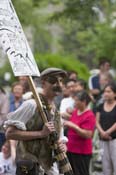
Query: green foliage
[83, 35]
[101, 42]
[23, 9]
[53, 60]
[30, 15]
[104, 43]
[65, 62]
[78, 10]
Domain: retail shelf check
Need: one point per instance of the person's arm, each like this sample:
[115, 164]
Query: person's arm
[98, 123]
[16, 134]
[65, 115]
[13, 144]
[82, 132]
[4, 108]
[62, 139]
[103, 134]
[16, 123]
[111, 129]
[22, 115]
[95, 91]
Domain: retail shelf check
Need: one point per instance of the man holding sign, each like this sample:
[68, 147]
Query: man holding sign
[26, 125]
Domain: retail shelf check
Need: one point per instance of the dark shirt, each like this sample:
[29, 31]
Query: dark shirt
[12, 103]
[95, 82]
[107, 119]
[96, 85]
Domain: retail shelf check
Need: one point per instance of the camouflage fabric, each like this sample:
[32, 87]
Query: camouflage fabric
[39, 150]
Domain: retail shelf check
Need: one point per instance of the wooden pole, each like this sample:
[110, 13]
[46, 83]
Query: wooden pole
[37, 99]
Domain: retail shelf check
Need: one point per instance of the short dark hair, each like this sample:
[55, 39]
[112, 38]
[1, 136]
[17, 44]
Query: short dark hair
[103, 60]
[72, 72]
[82, 83]
[83, 96]
[17, 83]
[112, 85]
[69, 80]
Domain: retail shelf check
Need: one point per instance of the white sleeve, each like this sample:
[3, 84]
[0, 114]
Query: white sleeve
[21, 116]
[63, 138]
[63, 106]
[90, 85]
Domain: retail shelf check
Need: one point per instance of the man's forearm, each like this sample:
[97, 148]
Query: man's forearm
[16, 134]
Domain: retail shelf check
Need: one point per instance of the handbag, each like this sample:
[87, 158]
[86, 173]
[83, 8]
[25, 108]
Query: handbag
[26, 167]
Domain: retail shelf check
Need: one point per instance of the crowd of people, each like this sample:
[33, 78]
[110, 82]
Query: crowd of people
[83, 108]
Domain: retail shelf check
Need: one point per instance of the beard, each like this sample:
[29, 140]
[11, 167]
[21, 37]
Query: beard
[57, 89]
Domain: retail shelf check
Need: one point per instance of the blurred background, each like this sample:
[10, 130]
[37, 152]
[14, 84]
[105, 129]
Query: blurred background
[69, 34]
[72, 35]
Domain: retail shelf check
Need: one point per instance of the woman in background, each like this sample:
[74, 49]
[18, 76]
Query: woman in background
[106, 125]
[16, 98]
[81, 127]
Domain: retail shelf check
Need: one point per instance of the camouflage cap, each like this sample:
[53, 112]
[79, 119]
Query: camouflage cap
[53, 71]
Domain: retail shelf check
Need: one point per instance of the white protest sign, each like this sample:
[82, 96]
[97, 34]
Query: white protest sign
[14, 42]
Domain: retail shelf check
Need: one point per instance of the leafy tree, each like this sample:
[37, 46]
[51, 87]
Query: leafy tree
[88, 31]
[53, 60]
[83, 35]
[30, 15]
[65, 62]
[103, 42]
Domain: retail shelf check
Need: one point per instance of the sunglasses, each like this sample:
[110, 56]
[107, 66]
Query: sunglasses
[54, 80]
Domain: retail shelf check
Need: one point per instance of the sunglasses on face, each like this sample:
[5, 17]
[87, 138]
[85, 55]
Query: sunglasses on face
[54, 80]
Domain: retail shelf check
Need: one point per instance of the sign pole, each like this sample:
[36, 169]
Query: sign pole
[37, 99]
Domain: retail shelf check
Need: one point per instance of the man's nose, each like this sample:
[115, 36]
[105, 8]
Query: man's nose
[59, 83]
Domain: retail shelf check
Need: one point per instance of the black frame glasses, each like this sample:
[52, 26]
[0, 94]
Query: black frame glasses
[54, 80]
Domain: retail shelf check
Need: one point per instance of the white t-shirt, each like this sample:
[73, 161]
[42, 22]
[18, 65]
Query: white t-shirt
[66, 103]
[7, 167]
